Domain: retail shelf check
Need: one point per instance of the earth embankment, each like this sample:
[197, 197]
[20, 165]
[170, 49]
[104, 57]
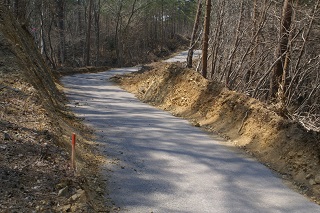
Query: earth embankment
[283, 145]
[35, 130]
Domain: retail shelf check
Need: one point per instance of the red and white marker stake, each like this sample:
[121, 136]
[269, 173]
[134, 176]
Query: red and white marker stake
[73, 152]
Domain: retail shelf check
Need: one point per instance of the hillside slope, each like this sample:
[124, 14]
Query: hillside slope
[281, 144]
[35, 130]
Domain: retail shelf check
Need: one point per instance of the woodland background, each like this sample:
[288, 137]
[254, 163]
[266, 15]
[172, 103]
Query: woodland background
[103, 32]
[267, 49]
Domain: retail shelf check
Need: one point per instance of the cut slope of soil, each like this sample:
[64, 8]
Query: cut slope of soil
[283, 145]
[35, 130]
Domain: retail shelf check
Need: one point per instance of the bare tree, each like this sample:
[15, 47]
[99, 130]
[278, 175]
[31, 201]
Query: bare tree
[281, 68]
[206, 39]
[121, 31]
[60, 5]
[88, 35]
[97, 30]
[246, 56]
[194, 34]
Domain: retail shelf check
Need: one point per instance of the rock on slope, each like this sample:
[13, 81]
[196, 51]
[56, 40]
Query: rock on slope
[281, 144]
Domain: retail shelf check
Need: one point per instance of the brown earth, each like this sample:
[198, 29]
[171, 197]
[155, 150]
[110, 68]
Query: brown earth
[282, 145]
[35, 130]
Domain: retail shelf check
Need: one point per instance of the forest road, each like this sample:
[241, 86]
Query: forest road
[161, 163]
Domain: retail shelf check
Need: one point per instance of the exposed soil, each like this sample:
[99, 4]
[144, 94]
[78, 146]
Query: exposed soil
[281, 144]
[35, 130]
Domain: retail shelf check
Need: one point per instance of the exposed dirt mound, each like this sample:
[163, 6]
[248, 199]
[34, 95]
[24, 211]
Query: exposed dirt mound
[35, 129]
[281, 144]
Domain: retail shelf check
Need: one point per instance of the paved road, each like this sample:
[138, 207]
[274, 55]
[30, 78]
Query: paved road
[160, 163]
[182, 57]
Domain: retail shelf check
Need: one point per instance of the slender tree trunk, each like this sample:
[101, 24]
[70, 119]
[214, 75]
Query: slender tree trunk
[88, 37]
[206, 39]
[234, 49]
[97, 24]
[290, 90]
[254, 30]
[279, 69]
[116, 37]
[162, 24]
[42, 36]
[79, 18]
[52, 60]
[61, 27]
[194, 34]
[217, 38]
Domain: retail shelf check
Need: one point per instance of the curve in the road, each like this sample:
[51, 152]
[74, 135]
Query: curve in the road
[160, 163]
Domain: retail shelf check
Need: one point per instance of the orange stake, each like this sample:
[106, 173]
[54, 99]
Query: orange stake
[73, 153]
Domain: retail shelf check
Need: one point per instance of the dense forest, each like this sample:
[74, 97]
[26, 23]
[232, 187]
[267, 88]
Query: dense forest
[267, 49]
[100, 32]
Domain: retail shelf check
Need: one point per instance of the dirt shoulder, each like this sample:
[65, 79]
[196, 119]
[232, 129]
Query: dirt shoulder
[36, 173]
[283, 145]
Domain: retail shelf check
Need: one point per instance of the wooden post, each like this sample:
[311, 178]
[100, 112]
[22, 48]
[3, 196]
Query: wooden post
[73, 151]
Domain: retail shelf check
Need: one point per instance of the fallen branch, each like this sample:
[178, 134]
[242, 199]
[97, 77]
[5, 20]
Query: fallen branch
[243, 120]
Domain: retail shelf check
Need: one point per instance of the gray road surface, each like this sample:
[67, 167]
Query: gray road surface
[160, 163]
[182, 57]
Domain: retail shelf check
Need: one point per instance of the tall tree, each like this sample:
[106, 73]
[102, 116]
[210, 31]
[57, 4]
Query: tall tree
[122, 31]
[60, 5]
[280, 70]
[206, 39]
[88, 36]
[97, 29]
[194, 34]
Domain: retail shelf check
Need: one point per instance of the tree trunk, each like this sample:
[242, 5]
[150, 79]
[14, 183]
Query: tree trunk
[79, 18]
[52, 59]
[229, 65]
[97, 25]
[61, 27]
[216, 43]
[162, 25]
[254, 30]
[206, 39]
[194, 33]
[116, 37]
[279, 69]
[87, 62]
